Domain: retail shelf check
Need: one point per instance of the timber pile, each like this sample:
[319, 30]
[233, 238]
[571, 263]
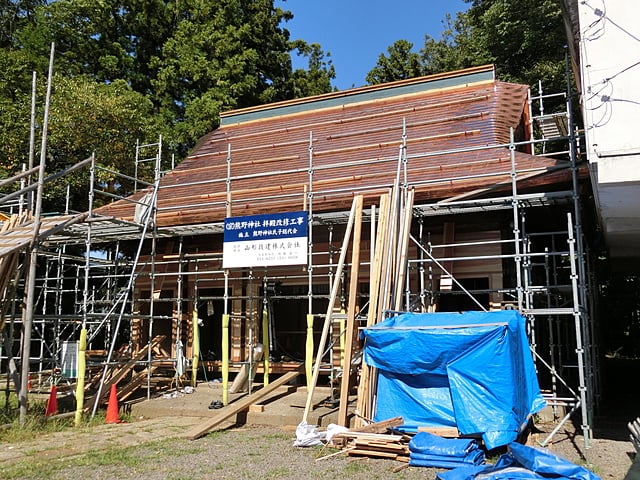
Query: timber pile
[387, 276]
[375, 440]
[379, 445]
[387, 282]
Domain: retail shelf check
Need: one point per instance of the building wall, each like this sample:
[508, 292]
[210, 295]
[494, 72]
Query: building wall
[609, 52]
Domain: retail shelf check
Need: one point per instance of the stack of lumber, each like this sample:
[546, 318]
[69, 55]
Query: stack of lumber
[387, 277]
[375, 440]
[380, 445]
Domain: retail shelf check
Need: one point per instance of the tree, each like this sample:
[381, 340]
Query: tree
[90, 117]
[189, 60]
[15, 105]
[400, 64]
[316, 79]
[455, 49]
[106, 40]
[85, 117]
[524, 39]
[226, 54]
[14, 15]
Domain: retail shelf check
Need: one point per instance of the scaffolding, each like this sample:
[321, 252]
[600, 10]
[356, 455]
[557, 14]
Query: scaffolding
[127, 283]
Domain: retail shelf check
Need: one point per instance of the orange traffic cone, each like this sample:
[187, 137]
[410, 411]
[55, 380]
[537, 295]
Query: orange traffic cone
[112, 407]
[52, 403]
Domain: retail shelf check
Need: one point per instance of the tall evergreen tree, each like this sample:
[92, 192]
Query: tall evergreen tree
[525, 40]
[133, 70]
[400, 63]
[316, 79]
[191, 59]
[225, 54]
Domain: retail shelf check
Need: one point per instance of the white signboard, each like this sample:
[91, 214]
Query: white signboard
[265, 240]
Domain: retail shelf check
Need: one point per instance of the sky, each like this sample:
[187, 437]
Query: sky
[356, 32]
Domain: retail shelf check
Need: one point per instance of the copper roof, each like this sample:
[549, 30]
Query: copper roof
[454, 127]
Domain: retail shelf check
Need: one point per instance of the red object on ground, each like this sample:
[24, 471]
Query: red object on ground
[112, 407]
[52, 402]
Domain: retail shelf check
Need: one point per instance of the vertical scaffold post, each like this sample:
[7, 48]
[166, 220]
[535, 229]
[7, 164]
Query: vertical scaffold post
[309, 340]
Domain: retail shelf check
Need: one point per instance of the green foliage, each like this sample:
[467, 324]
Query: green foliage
[225, 55]
[131, 71]
[525, 40]
[14, 15]
[316, 79]
[85, 117]
[128, 71]
[400, 64]
[106, 119]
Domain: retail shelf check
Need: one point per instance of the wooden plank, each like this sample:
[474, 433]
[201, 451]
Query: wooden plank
[402, 265]
[138, 379]
[382, 446]
[372, 453]
[240, 405]
[450, 432]
[332, 299]
[379, 437]
[122, 372]
[362, 406]
[380, 427]
[351, 316]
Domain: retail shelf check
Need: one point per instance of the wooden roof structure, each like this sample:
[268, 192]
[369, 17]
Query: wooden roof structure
[449, 131]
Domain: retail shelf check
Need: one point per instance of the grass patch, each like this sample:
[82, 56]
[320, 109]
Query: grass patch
[33, 427]
[29, 470]
[113, 459]
[276, 472]
[357, 467]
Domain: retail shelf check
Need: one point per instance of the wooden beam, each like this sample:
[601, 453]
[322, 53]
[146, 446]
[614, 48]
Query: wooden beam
[374, 291]
[328, 317]
[123, 370]
[240, 405]
[380, 427]
[402, 265]
[449, 432]
[351, 315]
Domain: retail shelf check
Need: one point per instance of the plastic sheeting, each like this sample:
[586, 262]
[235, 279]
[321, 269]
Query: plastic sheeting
[428, 450]
[522, 462]
[470, 370]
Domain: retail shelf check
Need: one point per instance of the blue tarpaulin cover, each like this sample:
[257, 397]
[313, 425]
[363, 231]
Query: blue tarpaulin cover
[428, 450]
[522, 462]
[470, 370]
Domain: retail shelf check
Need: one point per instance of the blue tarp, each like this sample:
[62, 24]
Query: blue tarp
[428, 450]
[470, 370]
[523, 463]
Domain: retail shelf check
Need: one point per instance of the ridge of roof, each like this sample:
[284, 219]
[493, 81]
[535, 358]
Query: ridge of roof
[457, 78]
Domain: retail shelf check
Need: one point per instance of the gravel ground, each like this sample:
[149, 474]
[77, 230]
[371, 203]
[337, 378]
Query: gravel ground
[156, 449]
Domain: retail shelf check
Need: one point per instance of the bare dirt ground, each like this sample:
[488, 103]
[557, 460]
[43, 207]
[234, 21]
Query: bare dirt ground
[157, 449]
